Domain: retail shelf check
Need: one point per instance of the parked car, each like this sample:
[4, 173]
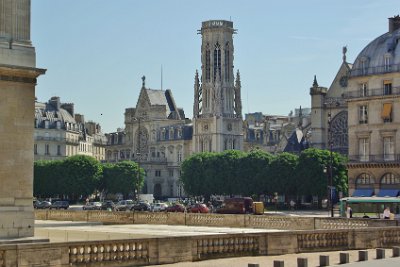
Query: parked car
[124, 205]
[92, 206]
[42, 204]
[176, 208]
[159, 207]
[237, 205]
[108, 205]
[198, 208]
[141, 206]
[62, 204]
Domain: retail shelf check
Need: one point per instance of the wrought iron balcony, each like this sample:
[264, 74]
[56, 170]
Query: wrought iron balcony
[375, 70]
[387, 158]
[373, 92]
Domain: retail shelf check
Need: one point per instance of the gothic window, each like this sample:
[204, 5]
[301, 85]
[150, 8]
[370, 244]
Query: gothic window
[47, 149]
[233, 144]
[363, 149]
[142, 137]
[158, 173]
[340, 140]
[208, 62]
[363, 114]
[388, 148]
[227, 65]
[171, 134]
[35, 149]
[171, 173]
[389, 179]
[364, 179]
[179, 133]
[217, 61]
[179, 155]
[59, 150]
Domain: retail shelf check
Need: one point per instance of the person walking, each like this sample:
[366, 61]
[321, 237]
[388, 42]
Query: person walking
[349, 212]
[386, 213]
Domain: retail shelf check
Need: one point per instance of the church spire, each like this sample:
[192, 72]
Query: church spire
[196, 104]
[238, 98]
[315, 83]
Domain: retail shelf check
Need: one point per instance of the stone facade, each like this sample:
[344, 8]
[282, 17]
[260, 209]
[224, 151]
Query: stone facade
[18, 75]
[374, 116]
[60, 133]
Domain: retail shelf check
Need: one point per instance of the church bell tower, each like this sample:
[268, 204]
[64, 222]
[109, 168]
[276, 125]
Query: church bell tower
[217, 110]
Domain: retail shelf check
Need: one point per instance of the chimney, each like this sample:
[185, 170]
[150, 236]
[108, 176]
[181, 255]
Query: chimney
[394, 23]
[55, 102]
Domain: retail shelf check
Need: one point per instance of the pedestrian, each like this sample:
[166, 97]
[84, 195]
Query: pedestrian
[349, 212]
[386, 213]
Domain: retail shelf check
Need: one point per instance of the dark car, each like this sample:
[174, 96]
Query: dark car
[176, 208]
[141, 206]
[62, 204]
[108, 205]
[42, 204]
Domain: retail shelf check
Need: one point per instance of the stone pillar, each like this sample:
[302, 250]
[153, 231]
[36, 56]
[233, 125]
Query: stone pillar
[17, 99]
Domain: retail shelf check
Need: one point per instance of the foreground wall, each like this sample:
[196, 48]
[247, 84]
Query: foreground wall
[223, 220]
[152, 251]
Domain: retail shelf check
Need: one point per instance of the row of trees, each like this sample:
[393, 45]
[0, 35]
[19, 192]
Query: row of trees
[81, 175]
[257, 172]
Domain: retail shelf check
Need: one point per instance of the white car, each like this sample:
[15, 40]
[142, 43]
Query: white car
[159, 207]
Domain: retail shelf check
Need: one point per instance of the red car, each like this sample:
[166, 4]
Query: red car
[199, 208]
[176, 208]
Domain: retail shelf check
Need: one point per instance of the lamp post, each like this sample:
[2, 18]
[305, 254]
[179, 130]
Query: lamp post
[330, 102]
[137, 153]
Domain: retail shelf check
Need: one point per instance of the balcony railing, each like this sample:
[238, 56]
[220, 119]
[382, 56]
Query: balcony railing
[388, 158]
[373, 92]
[375, 70]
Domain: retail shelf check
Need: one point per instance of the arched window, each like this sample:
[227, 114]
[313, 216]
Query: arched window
[339, 129]
[227, 65]
[389, 179]
[364, 179]
[217, 61]
[208, 67]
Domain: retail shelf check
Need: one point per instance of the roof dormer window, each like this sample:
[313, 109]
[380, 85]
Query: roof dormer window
[387, 62]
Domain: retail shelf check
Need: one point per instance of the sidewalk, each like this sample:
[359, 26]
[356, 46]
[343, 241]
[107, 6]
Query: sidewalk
[290, 260]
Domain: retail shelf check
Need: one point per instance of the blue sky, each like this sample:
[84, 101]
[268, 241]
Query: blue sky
[96, 51]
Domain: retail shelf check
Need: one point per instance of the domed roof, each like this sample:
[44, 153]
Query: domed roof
[377, 55]
[50, 112]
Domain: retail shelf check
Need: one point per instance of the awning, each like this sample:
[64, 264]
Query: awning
[388, 193]
[386, 111]
[363, 192]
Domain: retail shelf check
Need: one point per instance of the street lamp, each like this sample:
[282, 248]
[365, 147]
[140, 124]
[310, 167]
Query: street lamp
[331, 102]
[137, 152]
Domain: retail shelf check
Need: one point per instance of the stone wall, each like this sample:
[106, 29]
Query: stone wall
[153, 251]
[211, 219]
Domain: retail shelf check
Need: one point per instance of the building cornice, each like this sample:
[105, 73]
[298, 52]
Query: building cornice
[12, 73]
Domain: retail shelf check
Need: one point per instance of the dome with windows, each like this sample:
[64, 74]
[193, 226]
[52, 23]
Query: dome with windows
[382, 55]
[53, 114]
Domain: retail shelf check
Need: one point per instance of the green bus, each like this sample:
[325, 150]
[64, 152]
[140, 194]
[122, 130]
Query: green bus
[370, 207]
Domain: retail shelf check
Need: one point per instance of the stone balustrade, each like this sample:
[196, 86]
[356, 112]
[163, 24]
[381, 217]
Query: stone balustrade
[211, 219]
[153, 251]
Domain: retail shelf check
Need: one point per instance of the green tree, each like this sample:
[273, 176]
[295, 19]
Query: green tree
[80, 176]
[313, 172]
[46, 178]
[282, 174]
[122, 177]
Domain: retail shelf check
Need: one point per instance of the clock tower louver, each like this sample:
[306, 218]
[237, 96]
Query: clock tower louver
[217, 110]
